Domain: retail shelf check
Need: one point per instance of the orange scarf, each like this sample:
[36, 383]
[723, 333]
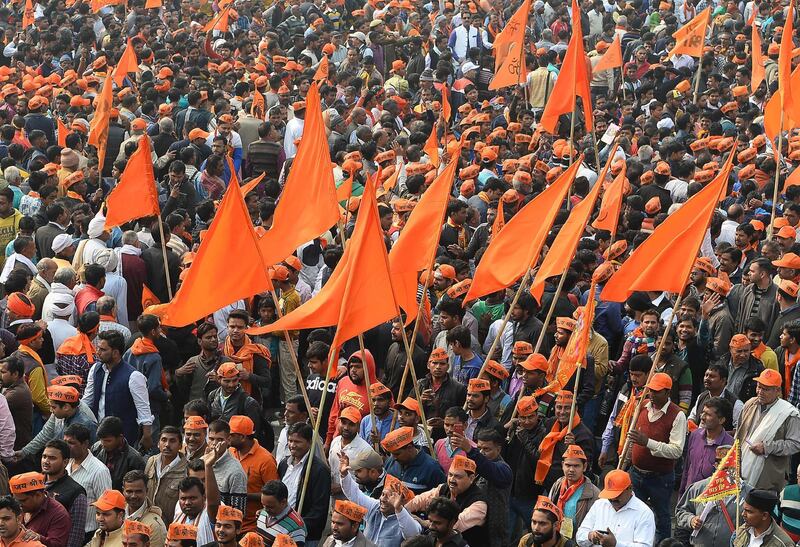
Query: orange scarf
[143, 345]
[33, 353]
[78, 345]
[74, 195]
[567, 492]
[244, 356]
[462, 233]
[789, 372]
[623, 419]
[552, 363]
[548, 448]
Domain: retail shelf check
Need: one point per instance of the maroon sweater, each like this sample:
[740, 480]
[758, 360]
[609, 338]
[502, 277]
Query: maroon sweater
[658, 431]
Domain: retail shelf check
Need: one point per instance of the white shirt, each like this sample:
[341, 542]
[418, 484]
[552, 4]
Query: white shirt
[292, 478]
[506, 340]
[294, 131]
[205, 532]
[60, 330]
[728, 232]
[355, 447]
[117, 287]
[137, 384]
[677, 434]
[466, 38]
[95, 478]
[756, 540]
[633, 525]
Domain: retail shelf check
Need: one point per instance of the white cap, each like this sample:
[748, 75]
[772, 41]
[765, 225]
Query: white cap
[469, 65]
[61, 242]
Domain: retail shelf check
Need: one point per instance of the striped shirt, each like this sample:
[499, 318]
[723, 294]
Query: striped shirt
[288, 522]
[95, 478]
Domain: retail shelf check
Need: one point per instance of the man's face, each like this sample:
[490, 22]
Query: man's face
[562, 411]
[292, 414]
[135, 493]
[53, 462]
[742, 240]
[476, 400]
[9, 524]
[380, 404]
[573, 469]
[104, 351]
[135, 540]
[272, 505]
[191, 501]
[710, 419]
[5, 206]
[450, 424]
[229, 385]
[194, 438]
[342, 528]
[791, 217]
[356, 371]
[767, 394]
[77, 449]
[439, 526]
[753, 516]
[448, 321]
[562, 337]
[108, 521]
[408, 418]
[740, 355]
[459, 481]
[541, 527]
[236, 328]
[712, 380]
[298, 445]
[5, 376]
[169, 444]
[225, 531]
[215, 437]
[638, 378]
[659, 398]
[489, 449]
[650, 325]
[686, 331]
[348, 429]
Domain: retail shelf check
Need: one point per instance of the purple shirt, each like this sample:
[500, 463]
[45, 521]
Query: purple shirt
[701, 457]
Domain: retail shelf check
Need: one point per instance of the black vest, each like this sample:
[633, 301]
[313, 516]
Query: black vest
[65, 491]
[477, 535]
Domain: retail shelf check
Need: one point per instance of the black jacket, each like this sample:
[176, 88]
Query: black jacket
[315, 505]
[156, 278]
[522, 453]
[583, 438]
[129, 459]
[754, 368]
[65, 491]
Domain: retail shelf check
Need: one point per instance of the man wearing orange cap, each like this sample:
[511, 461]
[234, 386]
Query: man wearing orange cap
[346, 520]
[348, 441]
[768, 433]
[558, 439]
[657, 443]
[46, 519]
[258, 464]
[788, 309]
[438, 390]
[716, 321]
[585, 389]
[139, 508]
[548, 527]
[415, 467]
[756, 298]
[110, 517]
[573, 493]
[351, 390]
[12, 529]
[230, 398]
[618, 517]
[742, 368]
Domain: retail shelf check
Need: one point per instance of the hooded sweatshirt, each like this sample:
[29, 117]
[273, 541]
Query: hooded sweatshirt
[351, 394]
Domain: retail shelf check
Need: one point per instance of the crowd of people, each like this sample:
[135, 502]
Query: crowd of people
[119, 430]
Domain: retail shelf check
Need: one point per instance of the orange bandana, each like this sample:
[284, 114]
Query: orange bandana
[143, 345]
[78, 345]
[244, 356]
[548, 447]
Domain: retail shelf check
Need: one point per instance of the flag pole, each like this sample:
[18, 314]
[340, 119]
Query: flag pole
[573, 406]
[700, 68]
[164, 255]
[368, 382]
[571, 144]
[292, 352]
[777, 176]
[312, 450]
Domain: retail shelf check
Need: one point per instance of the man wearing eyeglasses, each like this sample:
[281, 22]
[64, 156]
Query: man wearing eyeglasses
[618, 517]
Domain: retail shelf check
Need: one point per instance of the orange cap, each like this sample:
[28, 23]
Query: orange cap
[789, 287]
[63, 394]
[564, 397]
[522, 348]
[350, 413]
[603, 272]
[377, 389]
[770, 378]
[194, 423]
[178, 532]
[788, 260]
[283, 540]
[462, 463]
[543, 503]
[251, 539]
[653, 206]
[459, 289]
[67, 379]
[704, 265]
[535, 361]
[136, 527]
[398, 438]
[477, 385]
[616, 482]
[527, 406]
[228, 370]
[739, 341]
[720, 286]
[787, 232]
[496, 369]
[111, 499]
[575, 452]
[27, 482]
[350, 510]
[439, 354]
[226, 512]
[566, 323]
[447, 271]
[660, 381]
[242, 425]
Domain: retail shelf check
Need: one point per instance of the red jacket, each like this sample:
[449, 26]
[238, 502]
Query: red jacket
[350, 394]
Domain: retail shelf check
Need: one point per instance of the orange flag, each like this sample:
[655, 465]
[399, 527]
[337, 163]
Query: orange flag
[499, 219]
[136, 195]
[227, 268]
[219, 21]
[323, 68]
[511, 33]
[232, 169]
[127, 63]
[785, 90]
[391, 181]
[248, 187]
[358, 295]
[513, 70]
[758, 71]
[608, 216]
[416, 247]
[258, 108]
[308, 205]
[152, 4]
[62, 133]
[515, 249]
[691, 37]
[563, 248]
[149, 298]
[773, 110]
[665, 259]
[612, 58]
[793, 179]
[98, 128]
[572, 82]
[345, 190]
[431, 148]
[446, 110]
[28, 15]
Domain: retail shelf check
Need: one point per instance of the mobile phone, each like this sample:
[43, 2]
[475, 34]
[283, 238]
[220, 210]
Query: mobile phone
[458, 428]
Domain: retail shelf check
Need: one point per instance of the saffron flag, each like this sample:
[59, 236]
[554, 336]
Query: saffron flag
[98, 128]
[308, 205]
[258, 107]
[499, 219]
[691, 37]
[758, 72]
[793, 179]
[391, 180]
[219, 21]
[572, 82]
[149, 298]
[28, 15]
[512, 71]
[62, 133]
[345, 190]
[431, 148]
[515, 249]
[127, 63]
[136, 194]
[726, 479]
[611, 204]
[446, 109]
[152, 4]
[785, 90]
[250, 186]
[563, 248]
[321, 74]
[612, 58]
[511, 33]
[232, 169]
[358, 295]
[665, 259]
[415, 249]
[228, 265]
[773, 110]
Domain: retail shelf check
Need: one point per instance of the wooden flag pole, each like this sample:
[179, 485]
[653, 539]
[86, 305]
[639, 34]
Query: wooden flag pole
[573, 407]
[699, 69]
[410, 367]
[778, 155]
[292, 352]
[368, 382]
[164, 255]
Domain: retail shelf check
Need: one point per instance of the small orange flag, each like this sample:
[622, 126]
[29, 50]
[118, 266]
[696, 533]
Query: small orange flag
[98, 128]
[431, 148]
[127, 63]
[691, 37]
[391, 181]
[512, 71]
[28, 15]
[446, 109]
[665, 259]
[572, 82]
[232, 169]
[773, 110]
[149, 298]
[610, 206]
[358, 295]
[515, 249]
[152, 4]
[499, 219]
[563, 248]
[789, 105]
[259, 106]
[62, 133]
[345, 189]
[416, 247]
[219, 21]
[758, 71]
[136, 195]
[250, 186]
[308, 205]
[510, 33]
[612, 58]
[321, 75]
[227, 268]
